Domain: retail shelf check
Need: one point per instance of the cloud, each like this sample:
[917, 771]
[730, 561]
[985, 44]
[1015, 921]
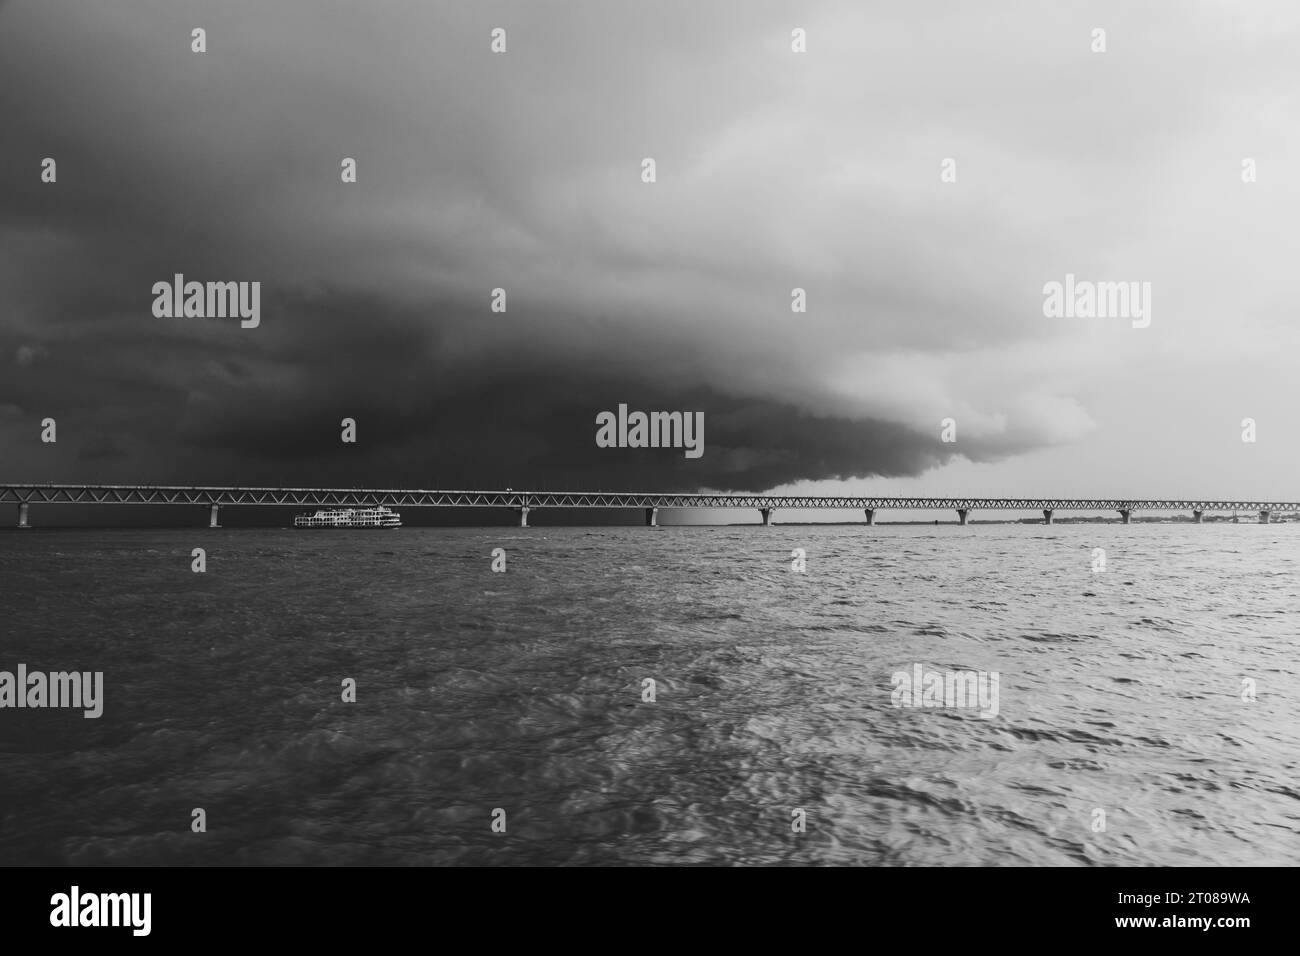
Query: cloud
[28, 355]
[521, 171]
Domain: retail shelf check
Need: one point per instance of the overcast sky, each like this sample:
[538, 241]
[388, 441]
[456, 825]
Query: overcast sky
[775, 170]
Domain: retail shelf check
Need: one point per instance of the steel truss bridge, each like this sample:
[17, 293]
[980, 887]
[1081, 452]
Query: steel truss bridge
[522, 502]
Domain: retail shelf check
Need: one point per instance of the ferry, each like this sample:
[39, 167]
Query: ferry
[379, 517]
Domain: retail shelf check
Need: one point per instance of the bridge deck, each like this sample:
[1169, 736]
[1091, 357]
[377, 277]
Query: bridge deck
[420, 498]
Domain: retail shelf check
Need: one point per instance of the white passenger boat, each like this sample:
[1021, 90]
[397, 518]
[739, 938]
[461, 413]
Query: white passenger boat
[379, 517]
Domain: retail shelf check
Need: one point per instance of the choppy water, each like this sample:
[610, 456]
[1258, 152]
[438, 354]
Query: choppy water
[1120, 690]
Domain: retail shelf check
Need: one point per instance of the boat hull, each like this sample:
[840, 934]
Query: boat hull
[347, 527]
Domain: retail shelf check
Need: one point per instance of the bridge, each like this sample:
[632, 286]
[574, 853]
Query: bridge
[522, 502]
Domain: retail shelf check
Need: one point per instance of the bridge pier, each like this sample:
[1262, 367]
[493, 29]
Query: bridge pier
[1126, 515]
[871, 515]
[962, 515]
[523, 516]
[1198, 517]
[212, 517]
[652, 517]
[767, 516]
[22, 516]
[1047, 516]
[1263, 517]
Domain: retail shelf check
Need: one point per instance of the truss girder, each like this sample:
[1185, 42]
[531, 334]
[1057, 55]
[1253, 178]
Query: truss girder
[417, 498]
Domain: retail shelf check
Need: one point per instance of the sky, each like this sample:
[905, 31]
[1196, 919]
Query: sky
[775, 170]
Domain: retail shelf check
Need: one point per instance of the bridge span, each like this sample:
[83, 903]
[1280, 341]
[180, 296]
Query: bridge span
[523, 502]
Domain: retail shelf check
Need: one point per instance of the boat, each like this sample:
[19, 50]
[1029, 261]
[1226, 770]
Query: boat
[378, 517]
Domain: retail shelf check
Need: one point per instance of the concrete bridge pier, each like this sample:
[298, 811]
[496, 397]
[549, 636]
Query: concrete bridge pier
[22, 516]
[1126, 515]
[1263, 517]
[767, 516]
[1047, 516]
[1198, 517]
[523, 516]
[652, 517]
[962, 515]
[212, 517]
[871, 515]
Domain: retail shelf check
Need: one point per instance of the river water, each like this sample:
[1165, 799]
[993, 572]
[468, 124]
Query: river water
[1125, 731]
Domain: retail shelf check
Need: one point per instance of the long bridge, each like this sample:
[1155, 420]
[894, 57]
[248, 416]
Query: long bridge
[522, 502]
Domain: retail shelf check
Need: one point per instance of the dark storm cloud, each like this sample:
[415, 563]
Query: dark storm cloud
[521, 171]
[436, 422]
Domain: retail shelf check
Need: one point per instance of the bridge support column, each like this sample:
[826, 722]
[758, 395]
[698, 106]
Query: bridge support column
[767, 516]
[1198, 516]
[871, 515]
[1126, 515]
[1047, 516]
[652, 517]
[1263, 517]
[523, 516]
[212, 517]
[22, 516]
[962, 515]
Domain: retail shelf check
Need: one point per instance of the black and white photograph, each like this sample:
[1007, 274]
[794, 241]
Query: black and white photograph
[735, 433]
